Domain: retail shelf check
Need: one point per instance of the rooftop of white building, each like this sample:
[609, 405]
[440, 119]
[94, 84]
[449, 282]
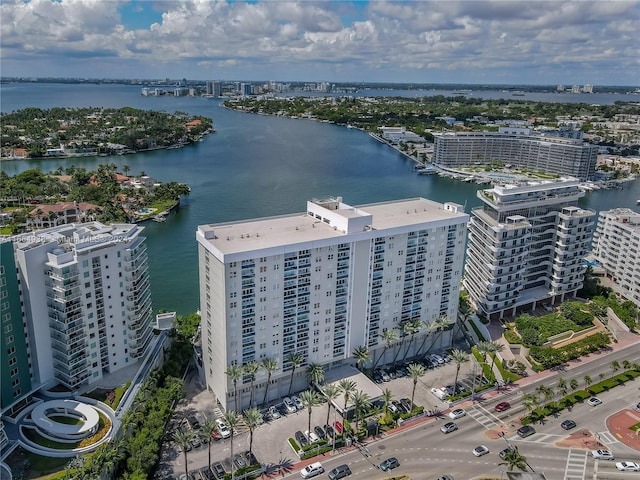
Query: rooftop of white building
[325, 219]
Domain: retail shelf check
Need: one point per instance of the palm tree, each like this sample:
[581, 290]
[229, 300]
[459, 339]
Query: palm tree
[626, 364]
[615, 366]
[270, 365]
[546, 392]
[360, 404]
[251, 369]
[573, 384]
[601, 375]
[232, 420]
[513, 459]
[387, 397]
[587, 380]
[209, 427]
[295, 359]
[389, 336]
[440, 325]
[562, 387]
[484, 348]
[362, 356]
[347, 387]
[234, 372]
[331, 392]
[459, 357]
[183, 436]
[405, 331]
[415, 325]
[315, 373]
[496, 347]
[416, 371]
[530, 401]
[310, 399]
[252, 417]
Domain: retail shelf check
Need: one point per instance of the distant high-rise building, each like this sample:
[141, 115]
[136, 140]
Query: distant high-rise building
[527, 246]
[217, 89]
[322, 283]
[209, 89]
[560, 88]
[561, 156]
[616, 246]
[575, 89]
[587, 88]
[246, 89]
[87, 302]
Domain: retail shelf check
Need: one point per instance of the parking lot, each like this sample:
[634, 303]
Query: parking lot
[270, 445]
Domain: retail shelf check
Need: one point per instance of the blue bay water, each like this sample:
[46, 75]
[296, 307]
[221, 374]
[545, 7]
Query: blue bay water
[252, 166]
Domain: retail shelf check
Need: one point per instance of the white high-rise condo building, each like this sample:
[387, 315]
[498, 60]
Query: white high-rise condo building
[322, 283]
[616, 245]
[547, 154]
[87, 302]
[526, 246]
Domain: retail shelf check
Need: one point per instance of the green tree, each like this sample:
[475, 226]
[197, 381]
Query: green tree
[232, 420]
[587, 380]
[295, 359]
[615, 366]
[347, 388]
[251, 370]
[562, 387]
[416, 371]
[270, 365]
[331, 391]
[496, 347]
[209, 428]
[310, 399]
[573, 384]
[530, 401]
[234, 372]
[252, 418]
[514, 460]
[183, 437]
[361, 404]
[315, 373]
[361, 354]
[459, 357]
[387, 397]
[389, 336]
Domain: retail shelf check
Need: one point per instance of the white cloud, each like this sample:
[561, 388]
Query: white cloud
[339, 39]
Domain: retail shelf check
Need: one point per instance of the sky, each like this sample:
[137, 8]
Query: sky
[445, 41]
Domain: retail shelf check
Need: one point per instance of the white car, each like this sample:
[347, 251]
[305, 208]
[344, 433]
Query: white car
[593, 401]
[628, 466]
[312, 470]
[289, 405]
[602, 454]
[457, 413]
[296, 401]
[223, 430]
[480, 450]
[273, 411]
[311, 436]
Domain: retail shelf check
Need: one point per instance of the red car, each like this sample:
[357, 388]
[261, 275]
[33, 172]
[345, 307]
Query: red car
[502, 406]
[338, 426]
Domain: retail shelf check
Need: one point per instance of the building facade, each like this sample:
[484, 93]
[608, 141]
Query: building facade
[616, 245]
[548, 154]
[87, 302]
[321, 284]
[526, 246]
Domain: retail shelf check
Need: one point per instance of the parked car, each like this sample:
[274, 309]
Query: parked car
[289, 405]
[628, 466]
[282, 409]
[296, 401]
[594, 401]
[389, 464]
[448, 427]
[205, 473]
[218, 470]
[602, 454]
[406, 404]
[502, 406]
[320, 432]
[273, 411]
[503, 453]
[568, 424]
[193, 422]
[457, 413]
[480, 450]
[338, 427]
[312, 470]
[301, 439]
[340, 471]
[385, 376]
[195, 441]
[526, 431]
[330, 431]
[251, 458]
[239, 461]
[311, 436]
[377, 377]
[445, 477]
[223, 429]
[392, 407]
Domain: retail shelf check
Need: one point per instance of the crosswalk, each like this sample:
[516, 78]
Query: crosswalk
[484, 417]
[606, 438]
[576, 466]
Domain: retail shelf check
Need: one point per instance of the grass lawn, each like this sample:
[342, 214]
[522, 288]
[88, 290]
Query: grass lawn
[66, 420]
[635, 427]
[34, 436]
[549, 325]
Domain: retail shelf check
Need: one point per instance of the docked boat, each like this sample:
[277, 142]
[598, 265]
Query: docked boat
[160, 218]
[426, 171]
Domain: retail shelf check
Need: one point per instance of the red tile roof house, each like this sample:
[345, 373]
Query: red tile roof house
[61, 213]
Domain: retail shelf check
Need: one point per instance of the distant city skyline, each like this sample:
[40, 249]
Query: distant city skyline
[472, 42]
